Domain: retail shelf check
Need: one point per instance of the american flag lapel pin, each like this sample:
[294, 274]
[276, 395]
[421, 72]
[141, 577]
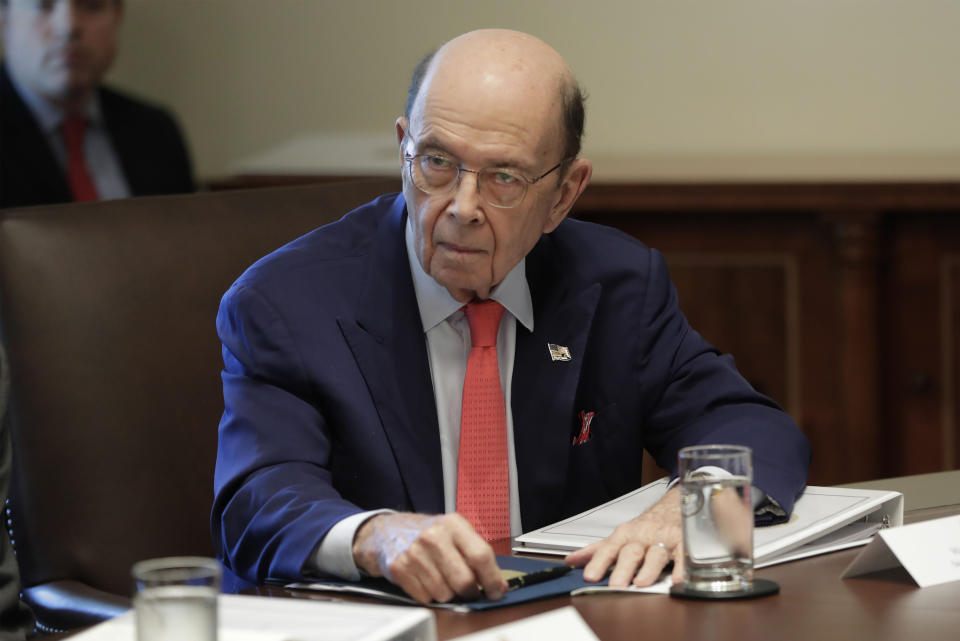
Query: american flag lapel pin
[559, 352]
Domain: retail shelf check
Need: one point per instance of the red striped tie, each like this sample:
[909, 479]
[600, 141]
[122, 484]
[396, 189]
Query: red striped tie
[483, 495]
[81, 184]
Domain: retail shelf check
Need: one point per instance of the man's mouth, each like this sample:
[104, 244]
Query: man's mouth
[459, 249]
[68, 57]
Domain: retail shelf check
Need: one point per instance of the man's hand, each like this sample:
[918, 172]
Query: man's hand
[433, 558]
[635, 545]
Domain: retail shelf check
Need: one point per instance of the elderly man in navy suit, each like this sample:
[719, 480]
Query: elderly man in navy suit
[65, 137]
[461, 362]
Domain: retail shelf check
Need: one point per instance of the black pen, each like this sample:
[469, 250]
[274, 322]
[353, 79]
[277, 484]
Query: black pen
[537, 577]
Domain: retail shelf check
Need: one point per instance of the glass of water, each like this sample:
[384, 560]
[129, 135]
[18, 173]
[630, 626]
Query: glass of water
[176, 598]
[717, 518]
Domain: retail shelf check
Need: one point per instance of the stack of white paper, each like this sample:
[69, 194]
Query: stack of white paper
[253, 618]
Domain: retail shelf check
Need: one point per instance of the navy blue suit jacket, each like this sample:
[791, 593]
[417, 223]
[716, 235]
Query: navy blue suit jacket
[329, 407]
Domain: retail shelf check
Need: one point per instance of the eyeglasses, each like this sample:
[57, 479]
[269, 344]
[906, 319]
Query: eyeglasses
[499, 186]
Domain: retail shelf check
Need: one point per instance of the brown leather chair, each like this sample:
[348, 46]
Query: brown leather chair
[107, 311]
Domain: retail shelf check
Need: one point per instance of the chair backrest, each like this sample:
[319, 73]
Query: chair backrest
[107, 311]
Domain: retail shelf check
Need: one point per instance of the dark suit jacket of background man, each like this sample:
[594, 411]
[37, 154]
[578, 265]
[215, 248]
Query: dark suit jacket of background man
[147, 141]
[16, 619]
[329, 405]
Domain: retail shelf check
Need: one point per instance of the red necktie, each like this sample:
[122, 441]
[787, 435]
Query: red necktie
[81, 184]
[483, 491]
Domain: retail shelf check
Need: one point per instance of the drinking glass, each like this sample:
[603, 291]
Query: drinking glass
[176, 598]
[717, 518]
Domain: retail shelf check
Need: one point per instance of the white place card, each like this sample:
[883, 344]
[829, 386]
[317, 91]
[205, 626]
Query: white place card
[562, 624]
[929, 551]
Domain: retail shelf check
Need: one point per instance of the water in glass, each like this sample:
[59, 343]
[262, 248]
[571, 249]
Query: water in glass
[717, 533]
[176, 613]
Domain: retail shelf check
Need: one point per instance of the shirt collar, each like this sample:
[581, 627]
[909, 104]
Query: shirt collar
[436, 304]
[49, 117]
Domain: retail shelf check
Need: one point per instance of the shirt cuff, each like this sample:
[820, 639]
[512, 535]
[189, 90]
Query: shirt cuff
[334, 554]
[761, 502]
[712, 470]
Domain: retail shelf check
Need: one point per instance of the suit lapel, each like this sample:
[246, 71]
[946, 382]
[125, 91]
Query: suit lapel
[544, 390]
[387, 340]
[36, 178]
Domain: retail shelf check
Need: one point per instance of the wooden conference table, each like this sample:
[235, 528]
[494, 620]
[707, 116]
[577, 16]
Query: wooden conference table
[813, 603]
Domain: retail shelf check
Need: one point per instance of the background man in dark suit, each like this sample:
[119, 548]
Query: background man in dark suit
[15, 619]
[64, 137]
[347, 350]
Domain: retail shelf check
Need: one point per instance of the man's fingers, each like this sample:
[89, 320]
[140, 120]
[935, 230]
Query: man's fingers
[603, 557]
[412, 586]
[677, 575]
[654, 561]
[635, 545]
[437, 558]
[478, 557]
[628, 560]
[430, 557]
[579, 558]
[458, 578]
[416, 563]
[453, 560]
[493, 584]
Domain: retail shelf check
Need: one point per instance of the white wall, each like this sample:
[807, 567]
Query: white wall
[679, 84]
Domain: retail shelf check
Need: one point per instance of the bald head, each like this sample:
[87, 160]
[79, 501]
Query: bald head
[504, 71]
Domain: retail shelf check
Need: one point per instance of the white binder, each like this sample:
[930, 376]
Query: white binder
[824, 519]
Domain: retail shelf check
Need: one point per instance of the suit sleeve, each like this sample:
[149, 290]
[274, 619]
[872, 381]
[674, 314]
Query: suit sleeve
[274, 499]
[699, 397]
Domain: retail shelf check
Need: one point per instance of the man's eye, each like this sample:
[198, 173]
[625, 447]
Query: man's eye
[436, 162]
[504, 178]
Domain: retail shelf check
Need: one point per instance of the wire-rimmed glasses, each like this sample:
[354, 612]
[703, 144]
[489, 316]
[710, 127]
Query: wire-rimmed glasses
[501, 187]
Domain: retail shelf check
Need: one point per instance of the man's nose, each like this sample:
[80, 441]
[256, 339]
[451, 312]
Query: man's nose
[466, 198]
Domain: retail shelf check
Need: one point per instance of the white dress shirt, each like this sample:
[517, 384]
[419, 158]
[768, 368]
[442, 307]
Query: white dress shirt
[98, 151]
[448, 347]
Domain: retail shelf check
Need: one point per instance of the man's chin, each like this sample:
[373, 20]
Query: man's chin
[465, 292]
[59, 88]
[461, 282]
[79, 84]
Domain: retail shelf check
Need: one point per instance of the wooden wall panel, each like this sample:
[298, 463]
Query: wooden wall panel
[950, 361]
[921, 343]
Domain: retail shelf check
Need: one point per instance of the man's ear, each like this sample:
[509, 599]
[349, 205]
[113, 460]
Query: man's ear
[402, 126]
[574, 182]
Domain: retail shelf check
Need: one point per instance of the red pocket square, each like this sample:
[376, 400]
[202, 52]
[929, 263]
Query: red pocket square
[586, 418]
